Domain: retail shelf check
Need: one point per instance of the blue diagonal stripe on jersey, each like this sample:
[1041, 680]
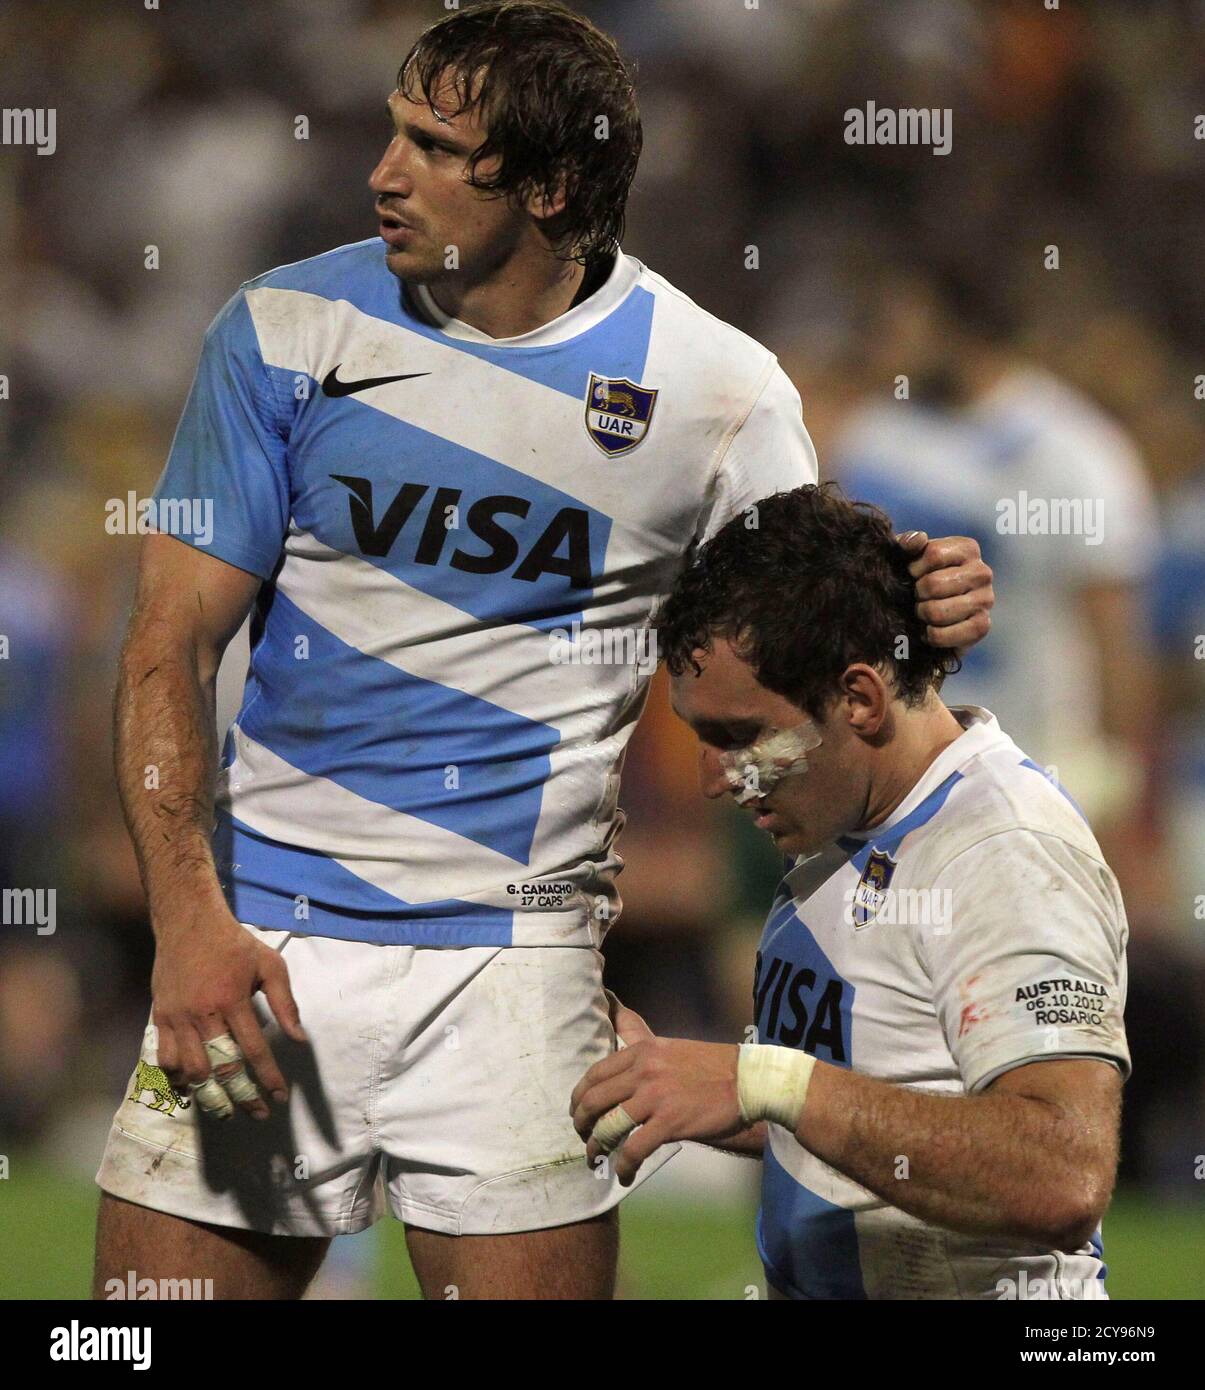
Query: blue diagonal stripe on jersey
[889, 841]
[808, 1245]
[349, 438]
[270, 877]
[1057, 785]
[616, 347]
[390, 737]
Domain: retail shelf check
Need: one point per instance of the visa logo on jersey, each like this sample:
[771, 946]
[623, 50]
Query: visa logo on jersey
[563, 547]
[795, 1006]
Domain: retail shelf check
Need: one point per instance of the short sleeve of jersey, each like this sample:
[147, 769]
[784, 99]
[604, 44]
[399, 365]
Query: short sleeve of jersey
[771, 452]
[229, 452]
[1030, 963]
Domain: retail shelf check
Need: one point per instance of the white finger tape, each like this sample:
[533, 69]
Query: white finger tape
[223, 1049]
[239, 1086]
[613, 1129]
[212, 1099]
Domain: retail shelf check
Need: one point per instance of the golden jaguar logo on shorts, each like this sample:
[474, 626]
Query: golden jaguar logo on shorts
[165, 1097]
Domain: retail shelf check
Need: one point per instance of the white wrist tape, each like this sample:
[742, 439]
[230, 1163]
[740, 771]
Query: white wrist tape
[772, 1083]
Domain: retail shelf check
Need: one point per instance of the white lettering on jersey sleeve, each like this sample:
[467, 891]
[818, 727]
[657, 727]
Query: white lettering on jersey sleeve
[1030, 963]
[770, 452]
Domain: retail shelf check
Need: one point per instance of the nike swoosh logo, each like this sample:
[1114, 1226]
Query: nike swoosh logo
[332, 386]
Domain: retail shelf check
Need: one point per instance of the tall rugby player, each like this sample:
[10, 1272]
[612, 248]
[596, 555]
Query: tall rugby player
[425, 457]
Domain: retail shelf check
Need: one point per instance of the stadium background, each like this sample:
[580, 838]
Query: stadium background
[176, 129]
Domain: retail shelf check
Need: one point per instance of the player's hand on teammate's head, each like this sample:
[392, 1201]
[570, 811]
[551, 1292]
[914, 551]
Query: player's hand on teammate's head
[953, 588]
[206, 972]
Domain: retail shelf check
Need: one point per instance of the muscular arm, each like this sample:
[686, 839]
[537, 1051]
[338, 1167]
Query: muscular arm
[1034, 1156]
[188, 607]
[207, 967]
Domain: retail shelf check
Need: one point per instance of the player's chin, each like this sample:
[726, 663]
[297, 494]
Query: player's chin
[409, 264]
[788, 840]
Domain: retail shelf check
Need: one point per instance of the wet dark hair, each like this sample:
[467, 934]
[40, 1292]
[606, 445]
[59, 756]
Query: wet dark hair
[541, 78]
[804, 584]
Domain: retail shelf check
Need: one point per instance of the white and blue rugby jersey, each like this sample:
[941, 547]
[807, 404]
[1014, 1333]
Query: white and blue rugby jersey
[976, 930]
[428, 749]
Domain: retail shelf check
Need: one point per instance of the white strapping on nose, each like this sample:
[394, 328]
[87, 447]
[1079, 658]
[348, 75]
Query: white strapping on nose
[753, 771]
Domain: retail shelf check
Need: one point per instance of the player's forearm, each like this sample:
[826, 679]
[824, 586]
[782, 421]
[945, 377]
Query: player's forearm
[993, 1164]
[165, 757]
[746, 1143]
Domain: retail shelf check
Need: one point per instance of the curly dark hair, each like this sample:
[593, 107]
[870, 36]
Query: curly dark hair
[543, 78]
[803, 584]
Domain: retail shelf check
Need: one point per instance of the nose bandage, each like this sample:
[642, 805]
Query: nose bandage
[752, 772]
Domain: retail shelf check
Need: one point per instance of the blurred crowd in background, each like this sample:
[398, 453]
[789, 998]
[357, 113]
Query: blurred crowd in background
[1023, 317]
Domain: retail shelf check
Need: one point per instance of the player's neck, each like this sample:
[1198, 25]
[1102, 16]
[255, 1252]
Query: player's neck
[921, 736]
[528, 291]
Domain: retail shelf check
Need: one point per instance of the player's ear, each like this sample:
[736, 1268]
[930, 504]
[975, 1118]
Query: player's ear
[865, 699]
[547, 203]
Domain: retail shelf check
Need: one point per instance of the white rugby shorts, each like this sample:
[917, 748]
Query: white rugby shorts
[435, 1081]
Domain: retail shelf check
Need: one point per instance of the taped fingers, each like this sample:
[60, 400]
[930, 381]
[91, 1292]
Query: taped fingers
[255, 1052]
[229, 1081]
[612, 1129]
[223, 1049]
[212, 1099]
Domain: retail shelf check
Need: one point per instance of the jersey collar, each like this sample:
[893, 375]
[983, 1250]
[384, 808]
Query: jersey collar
[983, 732]
[573, 322]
